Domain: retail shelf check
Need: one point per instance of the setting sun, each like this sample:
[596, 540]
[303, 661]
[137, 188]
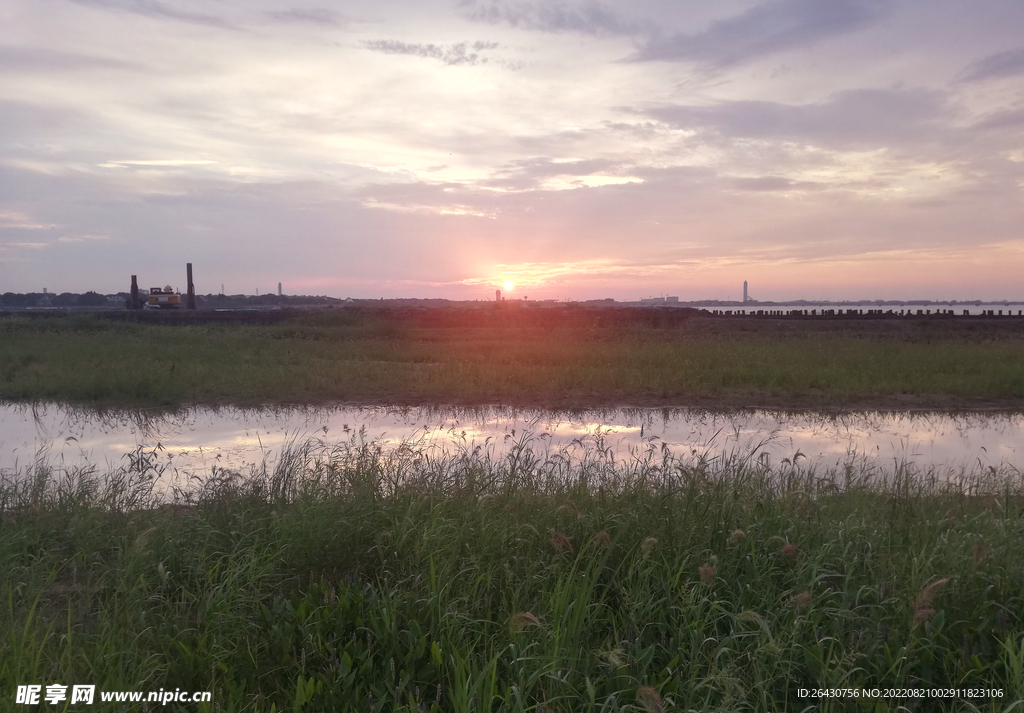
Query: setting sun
[509, 285]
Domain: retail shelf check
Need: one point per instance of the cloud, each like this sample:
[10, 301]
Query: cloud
[774, 183]
[589, 18]
[159, 163]
[763, 30]
[546, 174]
[21, 119]
[1007, 119]
[34, 59]
[995, 66]
[313, 15]
[462, 53]
[21, 221]
[856, 118]
[81, 238]
[155, 8]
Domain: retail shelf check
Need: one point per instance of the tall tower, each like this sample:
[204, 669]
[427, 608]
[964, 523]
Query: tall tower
[744, 290]
[278, 289]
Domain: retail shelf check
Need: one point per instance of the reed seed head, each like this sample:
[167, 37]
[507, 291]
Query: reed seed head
[737, 536]
[559, 541]
[647, 697]
[604, 539]
[923, 602]
[981, 551]
[802, 600]
[790, 552]
[707, 575]
[521, 620]
[648, 545]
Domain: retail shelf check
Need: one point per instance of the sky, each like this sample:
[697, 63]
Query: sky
[819, 149]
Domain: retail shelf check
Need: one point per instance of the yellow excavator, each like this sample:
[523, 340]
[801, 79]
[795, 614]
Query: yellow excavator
[165, 298]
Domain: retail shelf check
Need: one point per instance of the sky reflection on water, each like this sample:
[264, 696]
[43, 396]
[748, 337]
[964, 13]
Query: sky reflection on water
[196, 440]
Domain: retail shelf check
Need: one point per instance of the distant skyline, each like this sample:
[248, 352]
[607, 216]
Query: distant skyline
[819, 149]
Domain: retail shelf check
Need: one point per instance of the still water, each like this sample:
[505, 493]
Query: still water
[196, 440]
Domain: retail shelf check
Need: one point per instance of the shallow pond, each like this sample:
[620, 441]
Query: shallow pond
[194, 441]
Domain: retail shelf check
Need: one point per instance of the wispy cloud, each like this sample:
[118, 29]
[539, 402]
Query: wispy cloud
[38, 59]
[159, 163]
[1004, 119]
[21, 221]
[589, 18]
[81, 238]
[995, 66]
[774, 183]
[446, 209]
[863, 117]
[313, 15]
[765, 29]
[462, 53]
[155, 8]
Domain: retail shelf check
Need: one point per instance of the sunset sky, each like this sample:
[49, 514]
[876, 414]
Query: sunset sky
[820, 149]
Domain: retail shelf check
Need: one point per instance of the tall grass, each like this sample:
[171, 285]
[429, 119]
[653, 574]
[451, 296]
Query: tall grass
[352, 577]
[79, 360]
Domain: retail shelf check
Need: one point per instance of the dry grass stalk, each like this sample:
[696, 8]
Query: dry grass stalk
[521, 620]
[647, 698]
[559, 541]
[981, 551]
[707, 575]
[923, 602]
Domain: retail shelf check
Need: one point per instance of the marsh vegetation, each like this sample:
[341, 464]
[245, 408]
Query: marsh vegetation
[353, 577]
[361, 576]
[547, 358]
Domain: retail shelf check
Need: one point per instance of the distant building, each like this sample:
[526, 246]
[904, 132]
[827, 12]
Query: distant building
[653, 300]
[745, 299]
[279, 293]
[497, 295]
[672, 299]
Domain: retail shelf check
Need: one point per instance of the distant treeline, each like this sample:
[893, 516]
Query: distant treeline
[120, 300]
[65, 299]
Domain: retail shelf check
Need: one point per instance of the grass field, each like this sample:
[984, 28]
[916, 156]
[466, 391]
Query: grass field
[518, 356]
[348, 578]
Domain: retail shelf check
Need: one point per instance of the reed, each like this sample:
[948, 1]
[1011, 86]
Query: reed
[348, 576]
[376, 360]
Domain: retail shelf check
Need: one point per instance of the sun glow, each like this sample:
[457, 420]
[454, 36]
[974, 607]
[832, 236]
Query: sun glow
[509, 285]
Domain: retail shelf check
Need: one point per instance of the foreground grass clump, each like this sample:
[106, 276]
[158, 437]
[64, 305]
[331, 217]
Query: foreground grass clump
[351, 578]
[521, 356]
